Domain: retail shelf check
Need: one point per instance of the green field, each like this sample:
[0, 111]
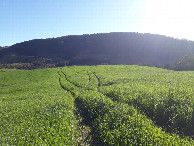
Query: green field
[97, 105]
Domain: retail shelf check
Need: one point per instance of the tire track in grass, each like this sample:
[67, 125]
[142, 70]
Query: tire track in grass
[114, 100]
[64, 88]
[84, 130]
[89, 79]
[99, 85]
[91, 84]
[98, 90]
[83, 87]
[141, 112]
[70, 81]
[79, 86]
[99, 82]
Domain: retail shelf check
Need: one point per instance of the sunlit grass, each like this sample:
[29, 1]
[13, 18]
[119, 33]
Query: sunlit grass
[122, 105]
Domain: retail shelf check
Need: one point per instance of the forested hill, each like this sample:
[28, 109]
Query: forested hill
[109, 48]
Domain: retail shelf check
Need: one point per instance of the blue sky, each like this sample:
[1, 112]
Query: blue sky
[23, 20]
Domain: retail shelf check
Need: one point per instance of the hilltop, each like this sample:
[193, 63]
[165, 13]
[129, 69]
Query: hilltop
[103, 48]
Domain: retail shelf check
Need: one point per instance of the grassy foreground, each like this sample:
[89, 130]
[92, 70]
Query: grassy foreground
[122, 105]
[34, 109]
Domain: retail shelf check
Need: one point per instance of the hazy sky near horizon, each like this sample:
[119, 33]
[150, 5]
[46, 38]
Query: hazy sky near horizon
[22, 20]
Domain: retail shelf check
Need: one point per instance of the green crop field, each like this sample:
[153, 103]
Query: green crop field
[97, 105]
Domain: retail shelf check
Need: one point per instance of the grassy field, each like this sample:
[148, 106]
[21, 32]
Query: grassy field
[96, 105]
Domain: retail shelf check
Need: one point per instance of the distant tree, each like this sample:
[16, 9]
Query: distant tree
[168, 66]
[185, 63]
[42, 63]
[62, 64]
[104, 63]
[66, 63]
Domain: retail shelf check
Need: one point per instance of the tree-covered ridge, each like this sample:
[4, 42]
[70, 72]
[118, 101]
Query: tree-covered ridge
[94, 49]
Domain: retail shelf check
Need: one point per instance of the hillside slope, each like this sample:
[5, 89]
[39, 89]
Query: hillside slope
[111, 48]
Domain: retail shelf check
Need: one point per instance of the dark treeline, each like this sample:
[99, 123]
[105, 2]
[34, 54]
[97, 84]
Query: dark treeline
[185, 63]
[95, 49]
[39, 63]
[1, 47]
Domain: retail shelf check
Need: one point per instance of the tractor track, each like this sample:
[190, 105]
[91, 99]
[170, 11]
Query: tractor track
[84, 137]
[70, 81]
[99, 82]
[64, 88]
